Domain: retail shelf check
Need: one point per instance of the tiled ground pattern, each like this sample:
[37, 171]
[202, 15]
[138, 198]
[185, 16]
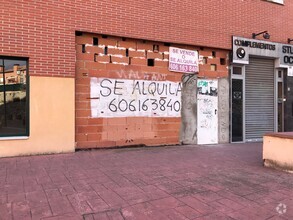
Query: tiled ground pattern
[180, 182]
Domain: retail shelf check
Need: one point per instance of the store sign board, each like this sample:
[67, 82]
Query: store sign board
[182, 60]
[244, 47]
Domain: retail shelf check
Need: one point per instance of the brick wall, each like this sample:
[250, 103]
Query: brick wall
[44, 30]
[127, 59]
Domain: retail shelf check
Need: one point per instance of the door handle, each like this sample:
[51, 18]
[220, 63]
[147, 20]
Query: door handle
[215, 111]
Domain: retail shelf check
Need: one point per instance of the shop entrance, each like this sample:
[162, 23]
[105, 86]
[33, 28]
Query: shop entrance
[259, 99]
[254, 100]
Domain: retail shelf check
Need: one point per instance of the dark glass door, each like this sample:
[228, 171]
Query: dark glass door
[237, 110]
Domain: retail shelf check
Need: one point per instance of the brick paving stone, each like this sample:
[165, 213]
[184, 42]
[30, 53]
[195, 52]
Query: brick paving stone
[60, 206]
[146, 210]
[260, 198]
[52, 193]
[66, 190]
[154, 192]
[18, 197]
[43, 186]
[172, 214]
[37, 198]
[3, 199]
[114, 215]
[40, 212]
[197, 205]
[15, 188]
[111, 185]
[169, 186]
[188, 212]
[133, 199]
[276, 217]
[98, 205]
[68, 216]
[240, 200]
[81, 186]
[166, 203]
[6, 211]
[97, 216]
[226, 205]
[91, 217]
[213, 187]
[175, 182]
[58, 178]
[241, 216]
[79, 204]
[21, 210]
[207, 196]
[216, 215]
[112, 199]
[230, 204]
[131, 213]
[97, 187]
[188, 191]
[242, 190]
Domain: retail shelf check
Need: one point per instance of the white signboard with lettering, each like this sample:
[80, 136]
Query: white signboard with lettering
[128, 98]
[181, 60]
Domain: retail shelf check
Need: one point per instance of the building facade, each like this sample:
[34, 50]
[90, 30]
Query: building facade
[93, 74]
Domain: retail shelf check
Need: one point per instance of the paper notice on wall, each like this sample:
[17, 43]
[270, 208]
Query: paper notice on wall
[182, 60]
[290, 71]
[130, 98]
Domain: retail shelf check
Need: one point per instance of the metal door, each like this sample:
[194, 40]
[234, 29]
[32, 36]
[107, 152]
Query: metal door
[207, 111]
[259, 98]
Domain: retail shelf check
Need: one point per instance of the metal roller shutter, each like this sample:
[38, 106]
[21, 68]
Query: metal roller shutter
[259, 98]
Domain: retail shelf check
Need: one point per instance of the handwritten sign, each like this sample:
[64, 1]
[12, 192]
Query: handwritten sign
[124, 98]
[181, 60]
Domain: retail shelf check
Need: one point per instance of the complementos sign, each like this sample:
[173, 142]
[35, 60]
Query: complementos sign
[181, 60]
[243, 47]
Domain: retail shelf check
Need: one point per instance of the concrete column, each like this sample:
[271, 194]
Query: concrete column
[223, 105]
[188, 132]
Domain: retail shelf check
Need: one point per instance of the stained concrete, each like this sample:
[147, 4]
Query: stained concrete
[223, 107]
[188, 132]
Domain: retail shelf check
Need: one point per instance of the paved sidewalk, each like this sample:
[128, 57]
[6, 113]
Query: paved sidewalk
[180, 182]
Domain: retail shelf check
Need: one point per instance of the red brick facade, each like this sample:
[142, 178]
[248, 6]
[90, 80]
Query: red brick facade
[44, 30]
[91, 62]
[46, 33]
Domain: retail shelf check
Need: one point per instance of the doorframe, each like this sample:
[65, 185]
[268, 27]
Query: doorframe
[277, 80]
[241, 77]
[216, 113]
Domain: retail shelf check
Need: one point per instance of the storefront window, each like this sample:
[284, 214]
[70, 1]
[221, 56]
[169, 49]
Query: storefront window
[13, 97]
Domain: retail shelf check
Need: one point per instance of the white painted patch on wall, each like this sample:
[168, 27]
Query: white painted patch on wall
[125, 64]
[134, 98]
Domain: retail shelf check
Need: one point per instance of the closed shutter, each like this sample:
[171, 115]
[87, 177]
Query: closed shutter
[259, 98]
